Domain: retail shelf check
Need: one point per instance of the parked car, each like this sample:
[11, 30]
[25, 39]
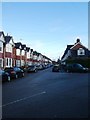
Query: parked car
[4, 76]
[32, 68]
[19, 72]
[56, 68]
[11, 72]
[75, 67]
[14, 72]
[24, 68]
[39, 67]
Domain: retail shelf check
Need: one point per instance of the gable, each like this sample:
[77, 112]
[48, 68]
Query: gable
[11, 41]
[77, 46]
[2, 38]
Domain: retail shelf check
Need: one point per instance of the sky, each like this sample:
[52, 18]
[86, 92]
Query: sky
[47, 27]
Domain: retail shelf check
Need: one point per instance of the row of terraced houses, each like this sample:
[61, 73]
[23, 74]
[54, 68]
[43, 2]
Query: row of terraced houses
[18, 54]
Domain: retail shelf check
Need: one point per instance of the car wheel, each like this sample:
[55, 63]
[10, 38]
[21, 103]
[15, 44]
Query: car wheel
[9, 79]
[16, 76]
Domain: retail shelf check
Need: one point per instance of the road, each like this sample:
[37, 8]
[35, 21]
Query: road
[46, 94]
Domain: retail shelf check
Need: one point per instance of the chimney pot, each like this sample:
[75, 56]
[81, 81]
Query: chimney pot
[78, 40]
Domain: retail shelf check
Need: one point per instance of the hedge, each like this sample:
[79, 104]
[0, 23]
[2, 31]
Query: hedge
[84, 62]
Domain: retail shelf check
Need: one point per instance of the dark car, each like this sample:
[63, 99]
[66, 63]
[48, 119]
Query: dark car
[11, 72]
[4, 76]
[56, 68]
[32, 68]
[15, 72]
[19, 72]
[75, 67]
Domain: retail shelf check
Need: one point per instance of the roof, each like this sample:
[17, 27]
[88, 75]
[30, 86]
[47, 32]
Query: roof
[17, 45]
[1, 32]
[7, 39]
[68, 48]
[23, 46]
[34, 53]
[27, 49]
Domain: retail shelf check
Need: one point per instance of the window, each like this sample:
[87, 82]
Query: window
[1, 46]
[18, 63]
[9, 62]
[1, 62]
[18, 52]
[28, 54]
[6, 61]
[22, 63]
[81, 51]
[23, 52]
[9, 48]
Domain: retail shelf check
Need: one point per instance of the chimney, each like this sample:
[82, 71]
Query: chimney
[78, 40]
[7, 34]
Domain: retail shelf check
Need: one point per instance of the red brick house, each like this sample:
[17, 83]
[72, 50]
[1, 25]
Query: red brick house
[23, 55]
[76, 53]
[18, 51]
[8, 49]
[28, 55]
[2, 41]
[31, 56]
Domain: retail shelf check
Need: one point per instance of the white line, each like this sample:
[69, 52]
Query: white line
[23, 99]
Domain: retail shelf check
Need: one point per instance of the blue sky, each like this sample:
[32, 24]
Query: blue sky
[46, 27]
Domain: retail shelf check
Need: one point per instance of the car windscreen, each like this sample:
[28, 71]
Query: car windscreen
[17, 69]
[79, 65]
[31, 66]
[8, 69]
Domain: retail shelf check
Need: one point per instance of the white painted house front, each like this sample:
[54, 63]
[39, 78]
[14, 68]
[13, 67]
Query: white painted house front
[9, 46]
[2, 41]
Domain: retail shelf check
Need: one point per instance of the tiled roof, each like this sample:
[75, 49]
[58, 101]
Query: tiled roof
[17, 45]
[27, 49]
[23, 46]
[68, 48]
[1, 32]
[7, 39]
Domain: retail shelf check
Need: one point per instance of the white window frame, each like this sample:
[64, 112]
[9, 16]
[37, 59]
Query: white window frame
[17, 51]
[1, 65]
[1, 45]
[28, 54]
[80, 50]
[23, 52]
[8, 62]
[9, 48]
[18, 63]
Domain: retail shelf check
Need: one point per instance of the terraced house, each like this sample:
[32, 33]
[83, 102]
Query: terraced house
[18, 50]
[9, 50]
[17, 54]
[28, 51]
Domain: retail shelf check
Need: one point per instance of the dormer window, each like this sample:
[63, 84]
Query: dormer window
[81, 51]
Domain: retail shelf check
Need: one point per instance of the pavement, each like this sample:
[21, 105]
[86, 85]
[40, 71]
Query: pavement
[46, 94]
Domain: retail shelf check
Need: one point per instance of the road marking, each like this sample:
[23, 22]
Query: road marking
[23, 99]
